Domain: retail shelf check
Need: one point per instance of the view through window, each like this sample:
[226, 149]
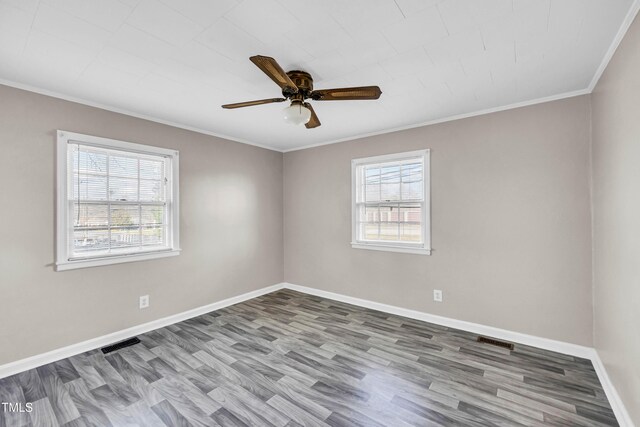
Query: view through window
[119, 202]
[390, 202]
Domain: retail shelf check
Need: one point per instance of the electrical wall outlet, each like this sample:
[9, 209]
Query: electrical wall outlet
[437, 295]
[144, 301]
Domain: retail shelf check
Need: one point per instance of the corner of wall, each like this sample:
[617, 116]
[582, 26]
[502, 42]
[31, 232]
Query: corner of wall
[592, 208]
[284, 212]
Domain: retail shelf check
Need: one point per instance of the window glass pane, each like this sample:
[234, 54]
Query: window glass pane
[125, 237]
[369, 231]
[372, 183]
[395, 213]
[125, 216]
[153, 235]
[123, 189]
[151, 191]
[125, 228]
[123, 166]
[410, 213]
[388, 213]
[390, 192]
[90, 162]
[412, 181]
[372, 193]
[410, 232]
[412, 172]
[88, 187]
[91, 216]
[90, 240]
[388, 231]
[152, 215]
[152, 169]
[412, 191]
[390, 174]
[368, 213]
[372, 175]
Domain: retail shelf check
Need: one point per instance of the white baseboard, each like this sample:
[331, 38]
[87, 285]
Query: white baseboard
[81, 347]
[544, 343]
[624, 419]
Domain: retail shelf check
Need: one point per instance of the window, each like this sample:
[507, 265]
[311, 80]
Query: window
[391, 203]
[116, 201]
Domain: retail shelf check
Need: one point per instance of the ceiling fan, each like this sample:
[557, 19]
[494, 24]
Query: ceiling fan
[297, 86]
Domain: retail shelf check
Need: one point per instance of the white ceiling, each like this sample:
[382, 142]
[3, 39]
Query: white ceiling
[177, 61]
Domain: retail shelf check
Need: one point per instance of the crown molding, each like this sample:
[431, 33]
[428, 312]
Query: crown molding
[101, 106]
[451, 118]
[622, 31]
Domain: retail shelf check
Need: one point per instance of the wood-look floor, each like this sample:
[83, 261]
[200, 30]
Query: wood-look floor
[290, 359]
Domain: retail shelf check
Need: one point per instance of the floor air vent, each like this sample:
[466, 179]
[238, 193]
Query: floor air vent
[495, 342]
[119, 345]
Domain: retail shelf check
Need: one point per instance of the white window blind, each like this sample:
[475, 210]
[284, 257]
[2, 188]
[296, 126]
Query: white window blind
[390, 207]
[119, 200]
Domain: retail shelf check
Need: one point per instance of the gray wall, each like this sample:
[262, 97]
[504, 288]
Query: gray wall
[231, 229]
[616, 207]
[511, 223]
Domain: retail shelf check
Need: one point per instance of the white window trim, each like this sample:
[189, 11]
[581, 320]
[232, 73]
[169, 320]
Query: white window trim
[421, 249]
[62, 245]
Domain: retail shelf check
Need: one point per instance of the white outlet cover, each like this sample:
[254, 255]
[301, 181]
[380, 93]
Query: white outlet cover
[437, 295]
[144, 301]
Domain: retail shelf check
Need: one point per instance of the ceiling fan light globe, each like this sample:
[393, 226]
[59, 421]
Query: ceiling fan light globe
[296, 114]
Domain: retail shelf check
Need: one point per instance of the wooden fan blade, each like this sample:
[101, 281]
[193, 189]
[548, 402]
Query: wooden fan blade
[346, 93]
[251, 103]
[270, 67]
[314, 121]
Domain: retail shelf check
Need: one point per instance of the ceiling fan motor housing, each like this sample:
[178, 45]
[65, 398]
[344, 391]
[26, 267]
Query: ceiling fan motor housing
[304, 83]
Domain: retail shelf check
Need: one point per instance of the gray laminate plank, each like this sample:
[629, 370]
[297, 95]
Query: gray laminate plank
[436, 415]
[182, 403]
[78, 422]
[135, 379]
[88, 408]
[510, 410]
[169, 416]
[295, 412]
[181, 384]
[114, 406]
[273, 415]
[115, 381]
[132, 362]
[238, 407]
[227, 419]
[61, 402]
[31, 385]
[144, 415]
[234, 376]
[13, 409]
[87, 371]
[66, 371]
[42, 414]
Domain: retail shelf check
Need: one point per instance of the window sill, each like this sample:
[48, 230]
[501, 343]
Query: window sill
[96, 262]
[391, 248]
